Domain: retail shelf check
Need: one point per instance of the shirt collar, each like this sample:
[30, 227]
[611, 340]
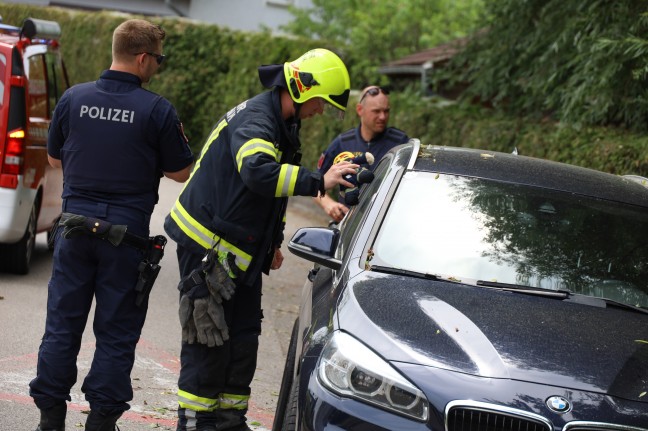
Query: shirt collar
[125, 77]
[375, 138]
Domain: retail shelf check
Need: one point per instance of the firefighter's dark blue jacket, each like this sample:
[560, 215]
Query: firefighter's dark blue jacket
[237, 194]
[123, 119]
[352, 141]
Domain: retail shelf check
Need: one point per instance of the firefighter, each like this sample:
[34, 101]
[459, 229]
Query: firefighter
[114, 140]
[229, 220]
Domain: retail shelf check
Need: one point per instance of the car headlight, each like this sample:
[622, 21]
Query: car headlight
[349, 368]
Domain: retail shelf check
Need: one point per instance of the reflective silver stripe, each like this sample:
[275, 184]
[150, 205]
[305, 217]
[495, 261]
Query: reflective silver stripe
[254, 146]
[233, 401]
[207, 238]
[188, 401]
[287, 180]
[203, 238]
[191, 419]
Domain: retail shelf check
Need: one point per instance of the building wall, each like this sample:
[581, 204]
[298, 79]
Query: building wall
[246, 15]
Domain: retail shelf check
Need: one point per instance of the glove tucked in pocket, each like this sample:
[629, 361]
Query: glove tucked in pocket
[209, 318]
[218, 280]
[201, 313]
[186, 309]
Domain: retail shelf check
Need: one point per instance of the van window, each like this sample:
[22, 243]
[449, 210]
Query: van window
[3, 72]
[37, 87]
[56, 80]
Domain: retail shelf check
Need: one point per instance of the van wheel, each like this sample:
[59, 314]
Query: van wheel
[17, 256]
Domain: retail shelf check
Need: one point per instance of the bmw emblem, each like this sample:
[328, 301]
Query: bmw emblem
[558, 404]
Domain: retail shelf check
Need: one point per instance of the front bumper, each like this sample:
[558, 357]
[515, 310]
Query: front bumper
[509, 401]
[15, 206]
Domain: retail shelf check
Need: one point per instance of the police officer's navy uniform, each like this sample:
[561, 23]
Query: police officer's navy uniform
[352, 141]
[114, 140]
[236, 201]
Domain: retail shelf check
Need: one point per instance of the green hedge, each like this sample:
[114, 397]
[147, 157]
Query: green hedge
[438, 122]
[210, 69]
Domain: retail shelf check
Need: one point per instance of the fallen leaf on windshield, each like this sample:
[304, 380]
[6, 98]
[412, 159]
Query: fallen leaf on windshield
[641, 341]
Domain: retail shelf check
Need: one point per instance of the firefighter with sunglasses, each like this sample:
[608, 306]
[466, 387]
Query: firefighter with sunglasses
[372, 135]
[228, 225]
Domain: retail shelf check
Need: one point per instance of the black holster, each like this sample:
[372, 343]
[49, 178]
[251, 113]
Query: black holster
[149, 269]
[153, 247]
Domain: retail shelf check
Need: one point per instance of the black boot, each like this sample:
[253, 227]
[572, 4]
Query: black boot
[53, 419]
[98, 422]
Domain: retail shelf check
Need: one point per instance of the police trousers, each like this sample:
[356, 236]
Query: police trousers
[218, 378]
[87, 268]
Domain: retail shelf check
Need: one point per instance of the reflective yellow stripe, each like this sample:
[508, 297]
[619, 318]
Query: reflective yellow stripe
[254, 146]
[287, 179]
[206, 238]
[195, 403]
[212, 137]
[233, 401]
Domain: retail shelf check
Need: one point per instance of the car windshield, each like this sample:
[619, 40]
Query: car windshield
[474, 229]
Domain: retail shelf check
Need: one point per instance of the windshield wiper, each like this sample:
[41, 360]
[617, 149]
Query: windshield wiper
[618, 304]
[406, 272]
[529, 290]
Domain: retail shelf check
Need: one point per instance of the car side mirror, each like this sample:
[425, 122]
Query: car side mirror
[317, 244]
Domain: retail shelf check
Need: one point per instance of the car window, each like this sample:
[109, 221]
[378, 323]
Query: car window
[357, 213]
[37, 87]
[474, 229]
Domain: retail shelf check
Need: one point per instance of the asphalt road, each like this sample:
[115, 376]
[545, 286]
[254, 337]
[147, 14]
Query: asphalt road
[154, 376]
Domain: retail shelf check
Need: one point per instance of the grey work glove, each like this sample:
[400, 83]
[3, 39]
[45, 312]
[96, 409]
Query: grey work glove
[189, 333]
[218, 281]
[209, 318]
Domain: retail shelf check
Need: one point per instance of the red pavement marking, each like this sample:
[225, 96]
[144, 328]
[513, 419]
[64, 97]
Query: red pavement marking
[129, 416]
[172, 363]
[144, 348]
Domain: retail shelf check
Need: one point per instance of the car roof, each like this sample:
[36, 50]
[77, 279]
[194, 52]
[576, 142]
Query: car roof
[531, 171]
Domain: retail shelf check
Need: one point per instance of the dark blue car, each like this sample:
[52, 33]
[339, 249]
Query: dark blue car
[475, 291]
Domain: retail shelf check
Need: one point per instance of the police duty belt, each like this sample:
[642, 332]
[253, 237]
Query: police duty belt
[116, 234]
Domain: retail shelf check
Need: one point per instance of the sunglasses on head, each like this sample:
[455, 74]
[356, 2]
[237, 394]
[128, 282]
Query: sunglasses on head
[374, 91]
[159, 58]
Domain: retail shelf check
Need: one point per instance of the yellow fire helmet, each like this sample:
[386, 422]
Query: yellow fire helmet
[318, 73]
[345, 155]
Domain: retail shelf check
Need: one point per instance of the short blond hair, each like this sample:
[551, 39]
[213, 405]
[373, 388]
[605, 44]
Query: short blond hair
[135, 36]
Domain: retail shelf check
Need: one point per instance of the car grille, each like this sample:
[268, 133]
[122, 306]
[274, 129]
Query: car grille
[474, 416]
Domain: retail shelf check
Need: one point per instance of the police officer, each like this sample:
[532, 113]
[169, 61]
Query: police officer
[372, 135]
[114, 140]
[235, 204]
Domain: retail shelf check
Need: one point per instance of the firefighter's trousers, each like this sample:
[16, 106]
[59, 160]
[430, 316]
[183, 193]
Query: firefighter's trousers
[214, 383]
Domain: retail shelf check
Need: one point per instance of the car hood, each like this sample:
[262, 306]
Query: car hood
[490, 333]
